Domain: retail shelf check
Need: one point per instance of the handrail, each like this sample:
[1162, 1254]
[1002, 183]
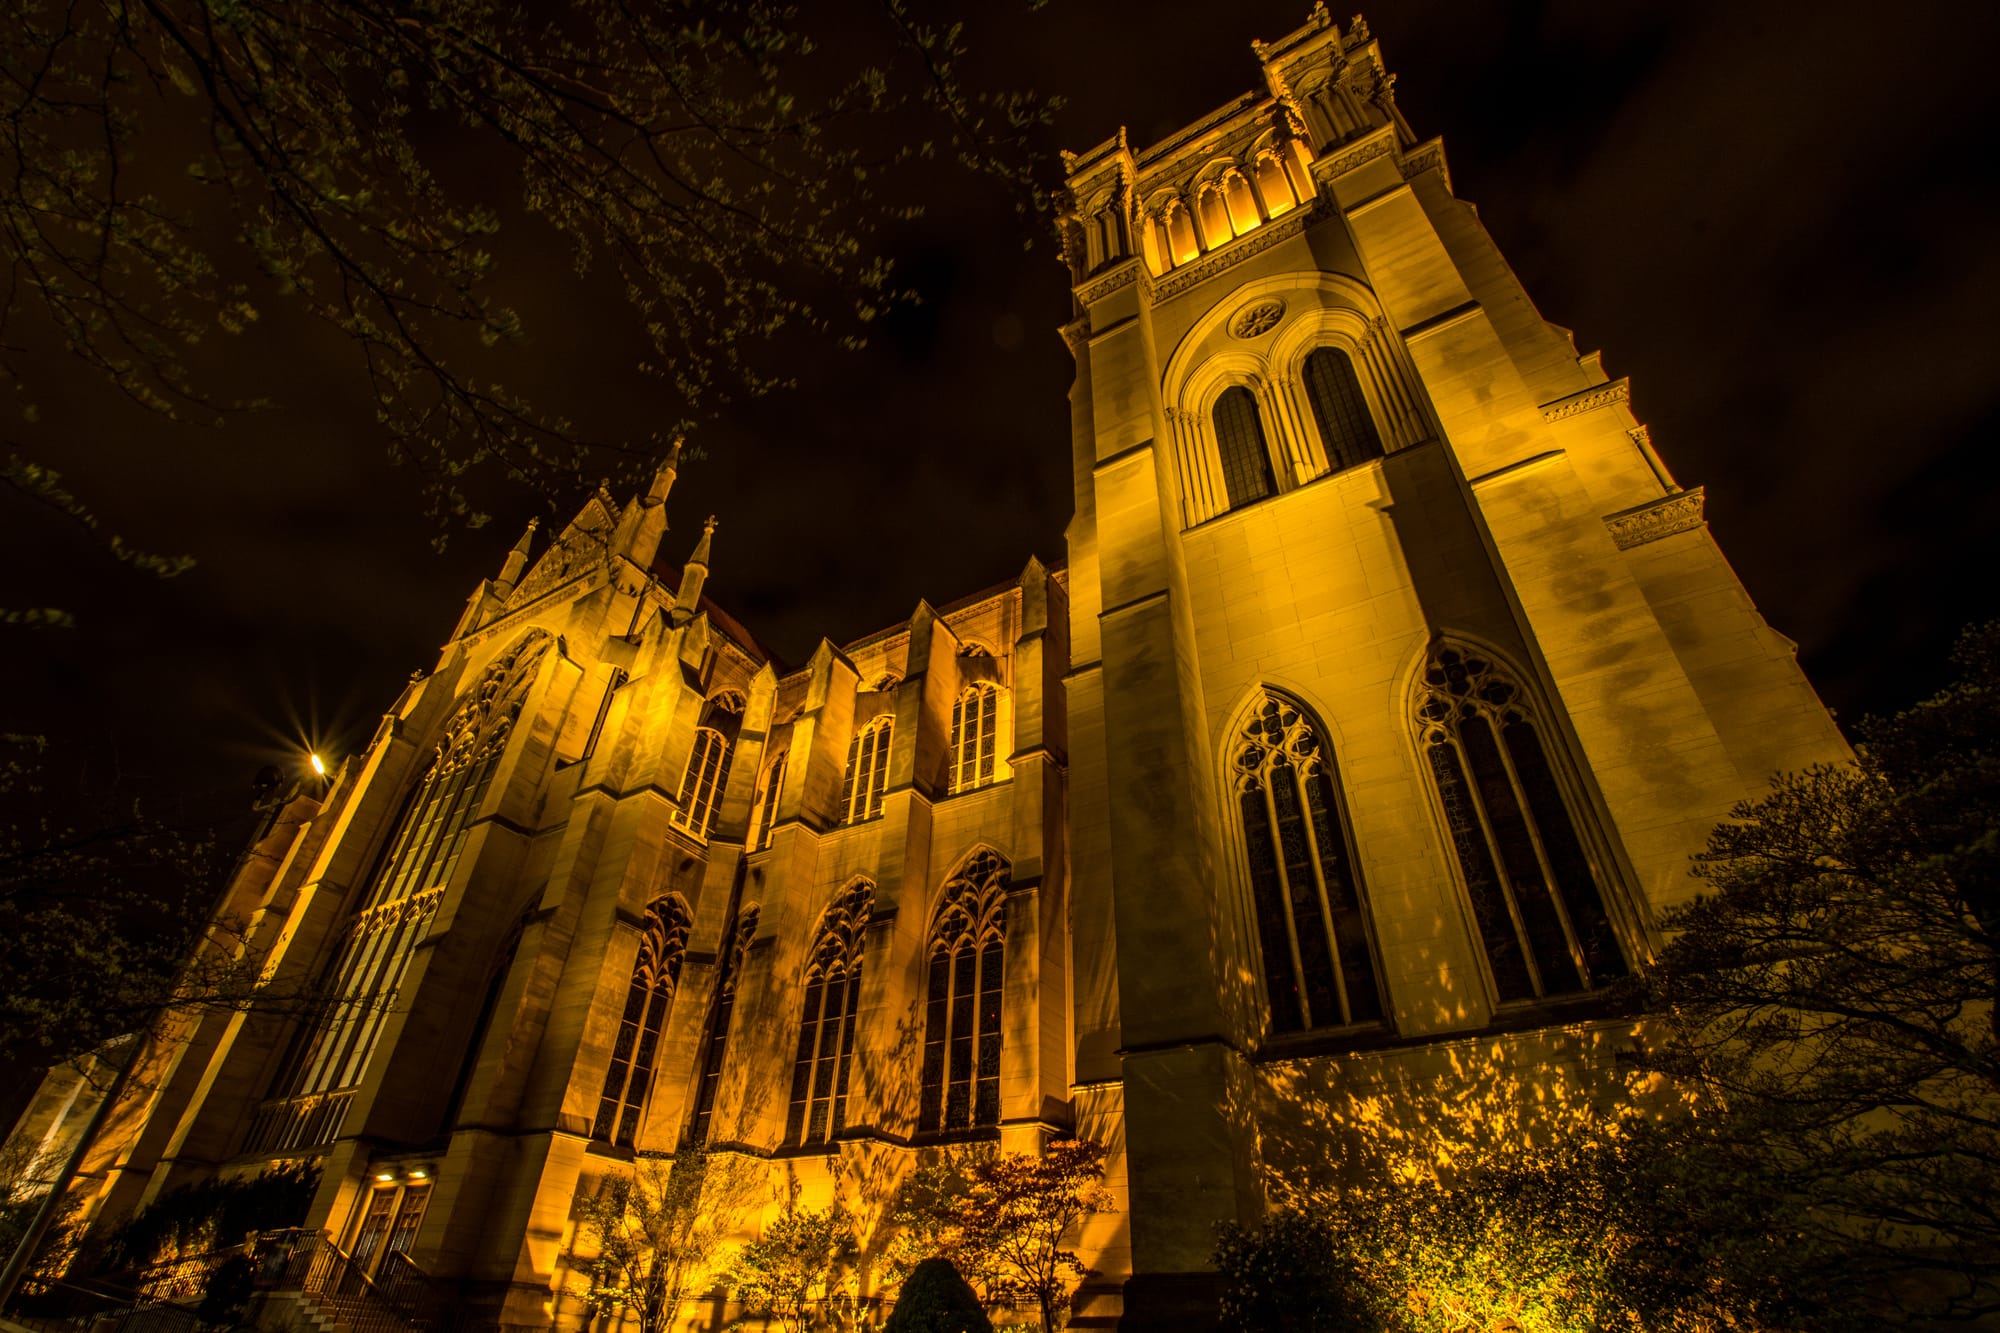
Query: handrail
[399, 1296]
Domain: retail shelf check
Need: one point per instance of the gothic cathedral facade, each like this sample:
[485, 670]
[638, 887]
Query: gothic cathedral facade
[1355, 749]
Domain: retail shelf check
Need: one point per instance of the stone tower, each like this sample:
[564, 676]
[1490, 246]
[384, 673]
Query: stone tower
[1307, 814]
[1405, 676]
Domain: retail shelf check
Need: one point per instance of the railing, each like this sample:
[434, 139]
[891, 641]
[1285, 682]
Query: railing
[399, 1297]
[68, 1307]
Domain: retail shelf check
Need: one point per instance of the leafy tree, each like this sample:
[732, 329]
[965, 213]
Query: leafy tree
[936, 1299]
[1021, 1211]
[794, 1274]
[214, 1214]
[928, 1219]
[175, 169]
[656, 1236]
[1835, 988]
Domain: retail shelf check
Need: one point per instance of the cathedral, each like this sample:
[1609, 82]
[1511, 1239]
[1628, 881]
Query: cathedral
[1353, 749]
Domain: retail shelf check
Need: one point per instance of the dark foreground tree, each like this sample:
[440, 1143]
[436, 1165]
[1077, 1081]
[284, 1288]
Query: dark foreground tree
[1835, 989]
[935, 1299]
[174, 170]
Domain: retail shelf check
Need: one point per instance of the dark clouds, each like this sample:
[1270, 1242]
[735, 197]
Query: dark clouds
[1782, 230]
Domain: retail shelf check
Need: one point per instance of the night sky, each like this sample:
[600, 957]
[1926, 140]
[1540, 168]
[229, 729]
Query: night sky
[1786, 233]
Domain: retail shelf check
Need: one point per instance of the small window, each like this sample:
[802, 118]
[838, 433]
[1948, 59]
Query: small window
[1239, 439]
[1535, 896]
[1345, 425]
[974, 724]
[867, 770]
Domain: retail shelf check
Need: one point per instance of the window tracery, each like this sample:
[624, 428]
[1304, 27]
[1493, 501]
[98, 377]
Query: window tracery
[974, 729]
[867, 770]
[968, 956]
[826, 1025]
[1312, 922]
[1536, 898]
[635, 1051]
[329, 1054]
[704, 782]
[767, 809]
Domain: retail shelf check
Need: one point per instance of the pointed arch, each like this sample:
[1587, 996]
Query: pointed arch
[867, 775]
[1314, 936]
[769, 792]
[975, 723]
[965, 973]
[656, 975]
[825, 1054]
[1538, 901]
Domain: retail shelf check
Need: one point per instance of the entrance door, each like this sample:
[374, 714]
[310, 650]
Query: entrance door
[381, 1207]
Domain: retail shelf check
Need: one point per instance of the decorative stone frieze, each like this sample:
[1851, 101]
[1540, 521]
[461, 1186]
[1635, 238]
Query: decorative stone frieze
[1238, 250]
[1679, 512]
[1602, 395]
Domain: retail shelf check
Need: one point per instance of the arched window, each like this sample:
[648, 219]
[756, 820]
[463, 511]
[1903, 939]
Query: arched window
[329, 1055]
[1338, 406]
[1241, 203]
[867, 770]
[655, 977]
[968, 957]
[974, 724]
[826, 1024]
[1312, 926]
[767, 803]
[1271, 183]
[715, 1041]
[1154, 244]
[1181, 243]
[1534, 894]
[1239, 440]
[1214, 213]
[707, 777]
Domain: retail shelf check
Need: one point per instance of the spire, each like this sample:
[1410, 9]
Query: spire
[517, 559]
[644, 522]
[696, 572]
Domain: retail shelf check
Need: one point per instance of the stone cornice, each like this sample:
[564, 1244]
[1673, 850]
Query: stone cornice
[1238, 250]
[1378, 142]
[1589, 400]
[1424, 157]
[1678, 512]
[1096, 289]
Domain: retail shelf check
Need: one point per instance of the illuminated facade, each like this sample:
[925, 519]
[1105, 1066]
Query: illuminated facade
[1389, 685]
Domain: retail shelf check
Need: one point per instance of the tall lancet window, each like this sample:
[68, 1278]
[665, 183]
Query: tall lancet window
[634, 1054]
[1535, 895]
[826, 1024]
[707, 774]
[1312, 925]
[715, 1042]
[867, 770]
[328, 1056]
[1345, 425]
[968, 961]
[767, 803]
[1239, 440]
[974, 731]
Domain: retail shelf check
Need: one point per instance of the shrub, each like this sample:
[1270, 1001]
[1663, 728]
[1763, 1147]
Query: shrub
[1291, 1276]
[936, 1299]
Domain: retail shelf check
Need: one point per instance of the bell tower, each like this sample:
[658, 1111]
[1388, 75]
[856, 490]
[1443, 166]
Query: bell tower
[1406, 678]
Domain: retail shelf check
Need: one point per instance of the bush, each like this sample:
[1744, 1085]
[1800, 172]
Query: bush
[215, 1214]
[227, 1292]
[1292, 1276]
[936, 1299]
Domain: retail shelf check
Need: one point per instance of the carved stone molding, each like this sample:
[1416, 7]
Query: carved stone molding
[1097, 289]
[1424, 157]
[1076, 333]
[1238, 250]
[1379, 143]
[1679, 512]
[1604, 395]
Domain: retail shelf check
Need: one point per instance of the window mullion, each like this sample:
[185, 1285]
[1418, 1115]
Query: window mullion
[1551, 886]
[1285, 900]
[1499, 860]
[1325, 901]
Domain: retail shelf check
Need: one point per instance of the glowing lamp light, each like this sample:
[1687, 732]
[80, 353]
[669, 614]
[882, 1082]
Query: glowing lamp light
[385, 1177]
[418, 1173]
[319, 764]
